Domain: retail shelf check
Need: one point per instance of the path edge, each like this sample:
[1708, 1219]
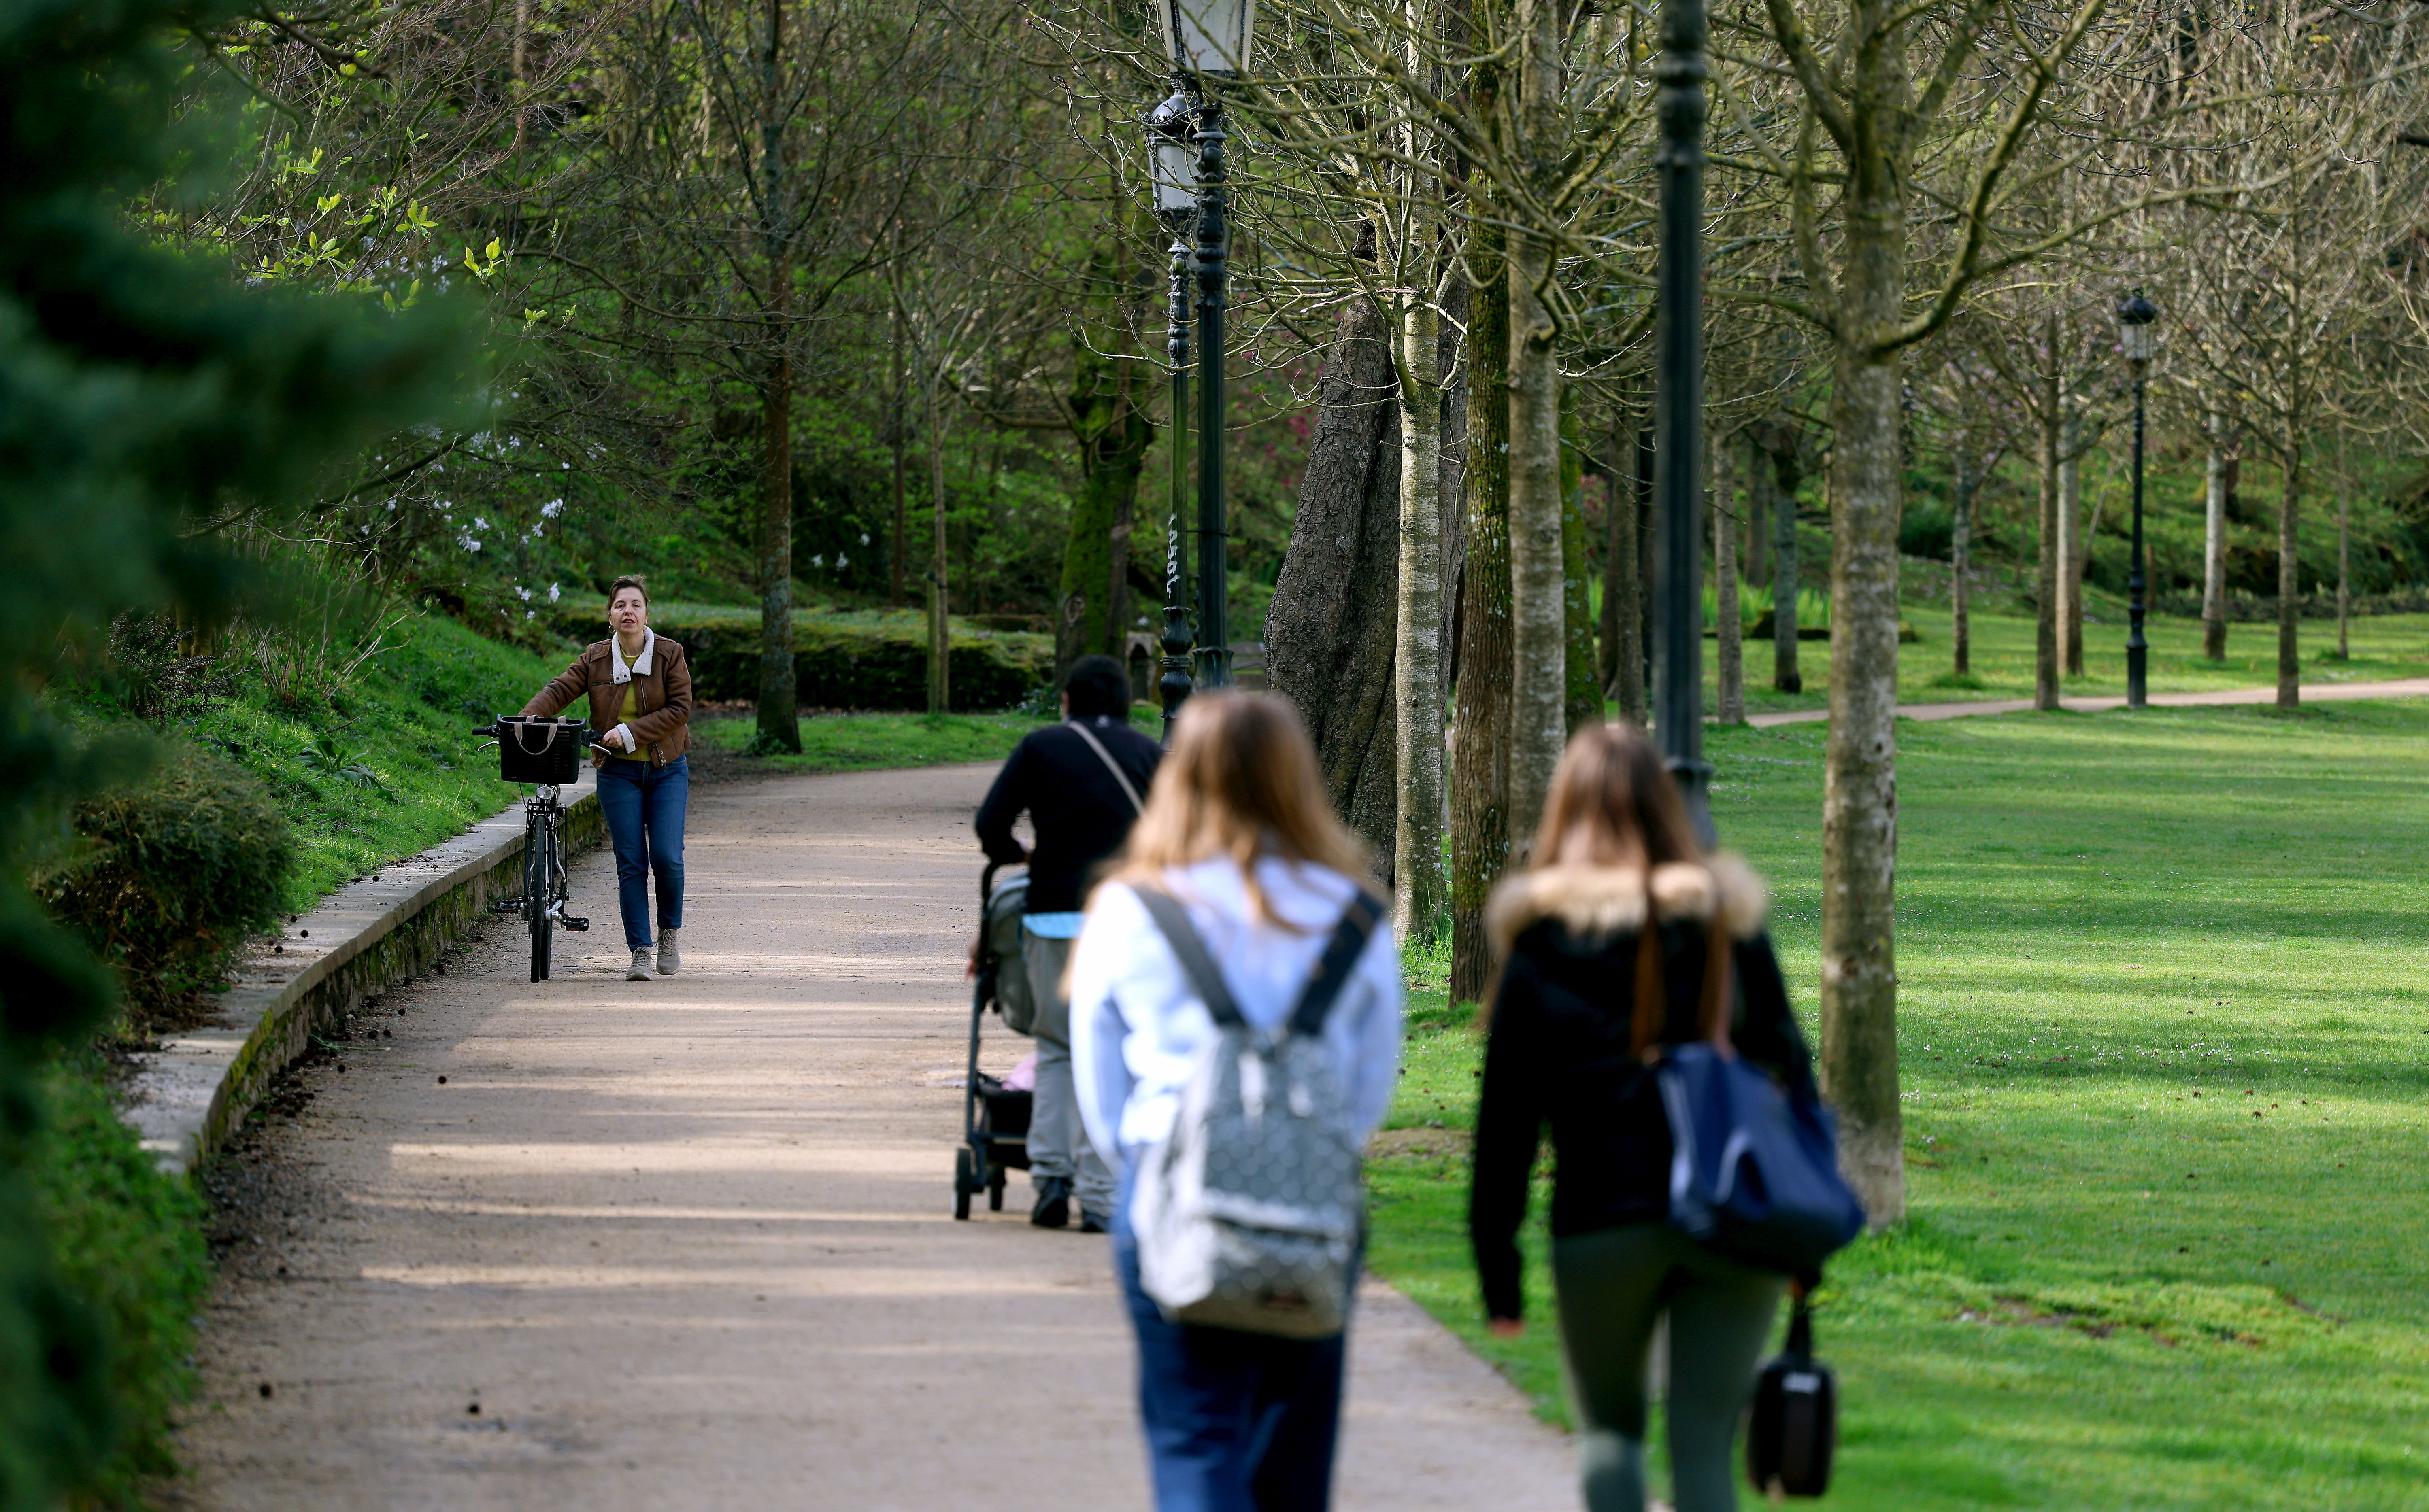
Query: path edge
[195, 1087]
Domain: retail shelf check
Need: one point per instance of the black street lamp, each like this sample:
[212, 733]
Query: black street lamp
[1176, 206]
[2134, 317]
[1678, 410]
[1209, 41]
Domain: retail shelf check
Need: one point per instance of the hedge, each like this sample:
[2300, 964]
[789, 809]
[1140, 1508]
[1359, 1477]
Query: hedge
[169, 876]
[875, 662]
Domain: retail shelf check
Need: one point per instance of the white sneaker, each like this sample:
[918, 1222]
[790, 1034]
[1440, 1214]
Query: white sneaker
[641, 969]
[669, 954]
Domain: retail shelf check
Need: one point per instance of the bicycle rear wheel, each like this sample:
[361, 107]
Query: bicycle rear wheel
[539, 866]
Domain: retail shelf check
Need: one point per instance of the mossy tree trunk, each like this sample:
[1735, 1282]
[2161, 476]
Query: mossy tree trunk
[2047, 422]
[1480, 784]
[1729, 628]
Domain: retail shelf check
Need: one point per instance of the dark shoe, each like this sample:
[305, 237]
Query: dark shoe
[1053, 1207]
[1091, 1223]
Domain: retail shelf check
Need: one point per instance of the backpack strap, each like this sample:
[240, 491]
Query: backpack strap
[1191, 952]
[1340, 959]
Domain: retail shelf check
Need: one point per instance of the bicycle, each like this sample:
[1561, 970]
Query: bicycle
[549, 765]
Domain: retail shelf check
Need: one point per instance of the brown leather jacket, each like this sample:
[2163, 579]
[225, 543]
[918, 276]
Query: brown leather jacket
[663, 728]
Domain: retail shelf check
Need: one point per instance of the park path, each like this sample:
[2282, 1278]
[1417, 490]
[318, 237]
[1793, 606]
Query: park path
[2312, 693]
[686, 1244]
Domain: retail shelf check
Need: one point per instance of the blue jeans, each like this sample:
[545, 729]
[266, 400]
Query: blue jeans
[644, 805]
[1235, 1421]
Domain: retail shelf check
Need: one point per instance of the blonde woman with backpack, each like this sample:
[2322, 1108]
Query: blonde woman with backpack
[1236, 955]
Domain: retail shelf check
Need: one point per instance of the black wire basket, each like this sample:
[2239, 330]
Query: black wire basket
[539, 750]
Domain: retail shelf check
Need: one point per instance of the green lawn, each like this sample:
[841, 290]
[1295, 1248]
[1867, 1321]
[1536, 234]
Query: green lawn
[2165, 1041]
[866, 742]
[2384, 647]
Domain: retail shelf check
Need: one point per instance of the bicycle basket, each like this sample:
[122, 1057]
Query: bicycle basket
[539, 750]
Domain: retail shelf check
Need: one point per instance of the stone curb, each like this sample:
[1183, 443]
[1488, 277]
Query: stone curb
[361, 941]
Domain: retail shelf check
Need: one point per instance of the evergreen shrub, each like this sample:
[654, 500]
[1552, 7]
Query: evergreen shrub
[168, 876]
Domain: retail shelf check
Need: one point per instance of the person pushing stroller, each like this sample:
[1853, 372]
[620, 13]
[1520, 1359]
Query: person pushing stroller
[1082, 784]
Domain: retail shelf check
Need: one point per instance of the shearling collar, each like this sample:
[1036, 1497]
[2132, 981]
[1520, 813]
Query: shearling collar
[616, 670]
[1596, 902]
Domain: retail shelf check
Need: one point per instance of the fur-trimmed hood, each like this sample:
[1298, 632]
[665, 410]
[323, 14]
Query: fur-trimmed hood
[1596, 902]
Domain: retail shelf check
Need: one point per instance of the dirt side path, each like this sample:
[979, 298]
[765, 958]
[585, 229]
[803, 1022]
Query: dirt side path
[687, 1243]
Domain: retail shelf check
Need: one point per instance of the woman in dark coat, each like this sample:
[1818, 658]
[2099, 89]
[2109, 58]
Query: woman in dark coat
[1623, 936]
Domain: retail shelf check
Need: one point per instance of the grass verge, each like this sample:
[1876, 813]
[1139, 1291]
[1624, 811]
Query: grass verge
[2165, 1050]
[2001, 661]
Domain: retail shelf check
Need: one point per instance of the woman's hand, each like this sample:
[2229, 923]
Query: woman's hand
[1507, 1327]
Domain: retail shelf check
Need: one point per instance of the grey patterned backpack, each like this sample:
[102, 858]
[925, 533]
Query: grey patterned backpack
[1247, 1214]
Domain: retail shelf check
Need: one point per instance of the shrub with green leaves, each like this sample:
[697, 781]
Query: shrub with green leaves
[168, 876]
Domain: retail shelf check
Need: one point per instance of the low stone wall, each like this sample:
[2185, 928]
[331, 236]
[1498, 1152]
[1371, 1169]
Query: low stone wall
[360, 942]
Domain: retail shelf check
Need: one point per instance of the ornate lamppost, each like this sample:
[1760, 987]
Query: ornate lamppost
[2135, 316]
[1678, 409]
[1169, 142]
[1208, 42]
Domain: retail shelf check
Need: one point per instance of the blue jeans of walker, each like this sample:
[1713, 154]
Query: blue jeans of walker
[644, 806]
[1235, 1421]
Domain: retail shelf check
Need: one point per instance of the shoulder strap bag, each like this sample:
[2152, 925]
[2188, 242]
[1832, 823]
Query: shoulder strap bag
[1107, 757]
[1754, 1173]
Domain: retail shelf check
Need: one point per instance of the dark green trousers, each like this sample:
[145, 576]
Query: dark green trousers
[1614, 1286]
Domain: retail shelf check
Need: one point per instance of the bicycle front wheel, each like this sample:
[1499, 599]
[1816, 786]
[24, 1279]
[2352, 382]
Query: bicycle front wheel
[539, 866]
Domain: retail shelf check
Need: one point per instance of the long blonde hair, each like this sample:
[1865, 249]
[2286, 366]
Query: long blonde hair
[1240, 781]
[1610, 788]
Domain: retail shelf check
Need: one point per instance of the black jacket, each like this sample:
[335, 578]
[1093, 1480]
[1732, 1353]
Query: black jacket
[1077, 810]
[1559, 1047]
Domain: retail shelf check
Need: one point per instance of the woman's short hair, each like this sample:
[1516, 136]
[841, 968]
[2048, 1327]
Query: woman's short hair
[1241, 781]
[632, 581]
[1097, 686]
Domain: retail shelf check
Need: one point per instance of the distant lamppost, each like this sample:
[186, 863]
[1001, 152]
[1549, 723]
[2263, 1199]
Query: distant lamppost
[1169, 153]
[1208, 40]
[2134, 317]
[1678, 409]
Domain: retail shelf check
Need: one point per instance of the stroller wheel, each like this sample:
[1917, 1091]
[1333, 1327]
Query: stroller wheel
[995, 1192]
[963, 1184]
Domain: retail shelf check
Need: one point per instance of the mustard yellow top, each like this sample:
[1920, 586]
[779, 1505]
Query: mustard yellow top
[631, 712]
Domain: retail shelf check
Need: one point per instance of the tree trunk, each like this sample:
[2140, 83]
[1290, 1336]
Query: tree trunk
[2045, 426]
[940, 650]
[1787, 581]
[1114, 432]
[1860, 1052]
[1623, 616]
[1757, 526]
[900, 427]
[1960, 561]
[1420, 890]
[779, 723]
[1479, 788]
[1330, 632]
[2344, 571]
[1728, 629]
[2214, 545]
[2071, 555]
[2290, 573]
[1539, 612]
[1582, 698]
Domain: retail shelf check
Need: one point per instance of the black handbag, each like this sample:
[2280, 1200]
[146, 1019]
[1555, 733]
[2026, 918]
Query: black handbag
[1795, 1426]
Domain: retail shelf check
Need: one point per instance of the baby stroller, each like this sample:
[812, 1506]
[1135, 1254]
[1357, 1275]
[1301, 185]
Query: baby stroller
[994, 1118]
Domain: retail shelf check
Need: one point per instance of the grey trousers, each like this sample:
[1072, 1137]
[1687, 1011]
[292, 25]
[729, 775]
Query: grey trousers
[1614, 1285]
[1058, 1141]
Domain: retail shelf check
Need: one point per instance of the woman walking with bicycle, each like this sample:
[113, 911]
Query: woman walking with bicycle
[639, 688]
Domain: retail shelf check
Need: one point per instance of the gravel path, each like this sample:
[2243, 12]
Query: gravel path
[686, 1244]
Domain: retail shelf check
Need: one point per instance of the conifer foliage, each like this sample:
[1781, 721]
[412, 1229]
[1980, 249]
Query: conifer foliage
[140, 394]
